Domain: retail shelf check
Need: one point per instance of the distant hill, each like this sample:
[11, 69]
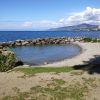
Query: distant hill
[80, 27]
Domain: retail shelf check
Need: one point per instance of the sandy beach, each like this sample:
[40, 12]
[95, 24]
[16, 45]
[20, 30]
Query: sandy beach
[89, 51]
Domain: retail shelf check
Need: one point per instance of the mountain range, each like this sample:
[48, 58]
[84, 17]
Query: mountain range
[80, 27]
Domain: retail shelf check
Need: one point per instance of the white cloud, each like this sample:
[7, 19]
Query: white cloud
[27, 24]
[62, 20]
[44, 24]
[89, 15]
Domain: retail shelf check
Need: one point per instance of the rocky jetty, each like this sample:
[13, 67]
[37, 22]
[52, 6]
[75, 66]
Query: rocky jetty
[35, 42]
[47, 41]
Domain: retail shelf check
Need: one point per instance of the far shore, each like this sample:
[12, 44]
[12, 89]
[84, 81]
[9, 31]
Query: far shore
[89, 51]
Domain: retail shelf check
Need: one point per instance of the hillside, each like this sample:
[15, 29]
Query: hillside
[80, 27]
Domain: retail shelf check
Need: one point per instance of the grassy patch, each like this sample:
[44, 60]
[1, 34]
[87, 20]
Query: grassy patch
[44, 69]
[59, 81]
[76, 91]
[71, 92]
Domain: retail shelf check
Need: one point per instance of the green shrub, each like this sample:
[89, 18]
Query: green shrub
[7, 61]
[98, 40]
[87, 39]
[94, 40]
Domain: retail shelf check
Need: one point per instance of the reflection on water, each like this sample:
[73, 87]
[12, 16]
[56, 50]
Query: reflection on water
[35, 55]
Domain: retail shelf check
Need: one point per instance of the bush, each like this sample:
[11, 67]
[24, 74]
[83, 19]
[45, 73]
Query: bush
[87, 39]
[94, 40]
[7, 60]
[98, 40]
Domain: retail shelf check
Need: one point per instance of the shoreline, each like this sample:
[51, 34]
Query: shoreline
[89, 51]
[90, 48]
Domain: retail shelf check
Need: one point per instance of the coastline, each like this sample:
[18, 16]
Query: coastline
[89, 51]
[90, 48]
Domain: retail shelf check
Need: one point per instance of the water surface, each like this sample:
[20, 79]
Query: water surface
[24, 35]
[36, 55]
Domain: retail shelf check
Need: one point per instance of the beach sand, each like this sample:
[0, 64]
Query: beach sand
[89, 51]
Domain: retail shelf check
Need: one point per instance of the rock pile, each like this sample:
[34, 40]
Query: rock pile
[45, 41]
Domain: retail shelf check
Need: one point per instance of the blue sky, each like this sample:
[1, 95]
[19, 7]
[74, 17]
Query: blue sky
[43, 14]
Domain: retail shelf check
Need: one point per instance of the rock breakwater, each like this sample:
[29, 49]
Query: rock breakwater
[34, 42]
[47, 41]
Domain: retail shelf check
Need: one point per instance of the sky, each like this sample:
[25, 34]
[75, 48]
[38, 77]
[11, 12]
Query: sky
[45, 14]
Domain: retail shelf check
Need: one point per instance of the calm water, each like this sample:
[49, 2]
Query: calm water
[15, 35]
[35, 55]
